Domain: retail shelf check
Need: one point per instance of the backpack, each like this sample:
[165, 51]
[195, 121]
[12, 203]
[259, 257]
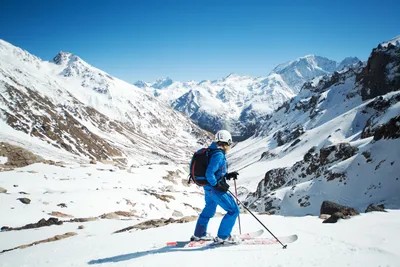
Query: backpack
[199, 164]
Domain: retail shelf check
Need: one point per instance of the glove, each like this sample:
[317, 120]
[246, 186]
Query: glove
[222, 185]
[231, 175]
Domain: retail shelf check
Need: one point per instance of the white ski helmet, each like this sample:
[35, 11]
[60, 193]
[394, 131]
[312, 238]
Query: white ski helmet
[223, 136]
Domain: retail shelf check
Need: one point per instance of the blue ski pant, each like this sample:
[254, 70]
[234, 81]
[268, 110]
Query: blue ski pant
[213, 198]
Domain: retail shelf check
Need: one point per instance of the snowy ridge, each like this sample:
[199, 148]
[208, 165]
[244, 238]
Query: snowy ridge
[83, 110]
[395, 42]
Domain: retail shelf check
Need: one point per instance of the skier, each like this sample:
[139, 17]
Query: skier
[215, 193]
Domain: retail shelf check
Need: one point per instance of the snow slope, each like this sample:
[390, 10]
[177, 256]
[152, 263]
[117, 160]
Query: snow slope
[76, 107]
[371, 245]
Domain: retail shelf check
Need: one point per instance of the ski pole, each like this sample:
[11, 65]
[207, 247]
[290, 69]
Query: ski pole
[240, 227]
[283, 246]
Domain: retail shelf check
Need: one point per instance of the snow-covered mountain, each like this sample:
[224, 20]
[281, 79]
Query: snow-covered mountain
[336, 140]
[237, 102]
[68, 104]
[295, 73]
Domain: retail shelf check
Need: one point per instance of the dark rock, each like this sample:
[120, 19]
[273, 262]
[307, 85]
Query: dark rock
[24, 200]
[283, 137]
[42, 223]
[5, 228]
[389, 130]
[372, 207]
[267, 155]
[295, 142]
[373, 126]
[274, 178]
[329, 207]
[367, 155]
[62, 205]
[334, 217]
[342, 151]
[374, 79]
[90, 219]
[330, 176]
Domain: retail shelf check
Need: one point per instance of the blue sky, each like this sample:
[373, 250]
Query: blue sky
[196, 40]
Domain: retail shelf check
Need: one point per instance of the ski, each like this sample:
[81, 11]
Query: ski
[200, 243]
[249, 241]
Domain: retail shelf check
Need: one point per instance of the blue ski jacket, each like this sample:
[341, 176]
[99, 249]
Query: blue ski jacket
[217, 166]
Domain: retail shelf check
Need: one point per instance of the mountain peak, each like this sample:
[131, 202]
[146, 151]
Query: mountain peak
[395, 41]
[348, 61]
[141, 84]
[162, 82]
[65, 58]
[232, 75]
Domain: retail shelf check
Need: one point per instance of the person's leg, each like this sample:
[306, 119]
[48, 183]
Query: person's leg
[228, 203]
[207, 213]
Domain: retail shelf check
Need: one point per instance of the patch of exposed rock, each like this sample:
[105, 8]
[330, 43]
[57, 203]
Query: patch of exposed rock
[157, 223]
[381, 75]
[314, 164]
[18, 156]
[372, 208]
[52, 239]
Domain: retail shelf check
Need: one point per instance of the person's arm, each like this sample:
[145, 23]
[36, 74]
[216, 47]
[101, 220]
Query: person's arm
[212, 168]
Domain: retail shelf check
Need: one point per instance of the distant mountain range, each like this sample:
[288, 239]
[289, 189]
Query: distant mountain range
[237, 102]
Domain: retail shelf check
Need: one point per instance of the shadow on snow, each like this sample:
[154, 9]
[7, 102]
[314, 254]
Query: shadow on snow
[139, 254]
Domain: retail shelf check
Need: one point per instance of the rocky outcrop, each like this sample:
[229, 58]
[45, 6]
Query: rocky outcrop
[52, 239]
[389, 130]
[336, 211]
[329, 207]
[374, 126]
[286, 136]
[381, 75]
[18, 156]
[314, 164]
[63, 128]
[372, 208]
[157, 223]
[118, 214]
[24, 200]
[3, 190]
[335, 153]
[42, 223]
[334, 217]
[90, 219]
